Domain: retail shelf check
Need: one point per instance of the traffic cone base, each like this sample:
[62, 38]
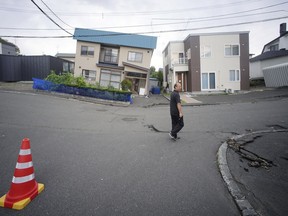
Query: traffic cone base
[22, 203]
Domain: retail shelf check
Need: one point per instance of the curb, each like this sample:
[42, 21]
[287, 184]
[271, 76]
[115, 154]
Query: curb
[242, 203]
[71, 96]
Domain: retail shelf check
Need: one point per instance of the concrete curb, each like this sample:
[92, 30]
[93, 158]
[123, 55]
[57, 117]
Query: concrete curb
[71, 96]
[242, 203]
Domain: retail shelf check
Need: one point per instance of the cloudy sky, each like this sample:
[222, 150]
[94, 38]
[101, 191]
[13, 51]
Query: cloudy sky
[168, 20]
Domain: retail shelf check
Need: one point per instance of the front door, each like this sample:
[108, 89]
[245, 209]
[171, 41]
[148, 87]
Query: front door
[181, 78]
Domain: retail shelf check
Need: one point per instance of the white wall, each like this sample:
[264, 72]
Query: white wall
[283, 43]
[256, 70]
[218, 62]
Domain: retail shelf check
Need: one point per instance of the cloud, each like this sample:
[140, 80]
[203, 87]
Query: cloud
[147, 16]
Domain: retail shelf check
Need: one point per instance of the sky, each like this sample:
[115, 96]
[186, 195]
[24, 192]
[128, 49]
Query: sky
[23, 23]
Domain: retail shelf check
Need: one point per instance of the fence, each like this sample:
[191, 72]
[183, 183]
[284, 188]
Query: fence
[87, 92]
[276, 76]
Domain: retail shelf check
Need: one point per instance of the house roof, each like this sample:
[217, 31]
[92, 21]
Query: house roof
[276, 39]
[65, 55]
[115, 38]
[7, 43]
[270, 55]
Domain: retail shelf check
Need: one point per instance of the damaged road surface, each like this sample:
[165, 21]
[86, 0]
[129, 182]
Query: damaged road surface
[259, 166]
[109, 160]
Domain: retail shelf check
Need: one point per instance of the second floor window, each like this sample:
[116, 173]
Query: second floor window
[87, 51]
[109, 55]
[231, 50]
[135, 56]
[205, 51]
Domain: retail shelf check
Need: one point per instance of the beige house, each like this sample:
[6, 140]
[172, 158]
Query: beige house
[208, 62]
[108, 58]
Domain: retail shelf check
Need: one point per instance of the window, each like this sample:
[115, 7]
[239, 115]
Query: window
[135, 56]
[274, 47]
[87, 51]
[208, 81]
[89, 75]
[231, 50]
[110, 78]
[234, 75]
[65, 66]
[109, 55]
[205, 51]
[188, 53]
[182, 59]
[135, 74]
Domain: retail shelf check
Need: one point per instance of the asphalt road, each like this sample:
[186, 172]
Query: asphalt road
[106, 160]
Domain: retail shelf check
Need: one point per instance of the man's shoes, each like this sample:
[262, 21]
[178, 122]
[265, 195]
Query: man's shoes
[172, 137]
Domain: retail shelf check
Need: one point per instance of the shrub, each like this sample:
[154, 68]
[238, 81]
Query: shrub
[126, 85]
[68, 79]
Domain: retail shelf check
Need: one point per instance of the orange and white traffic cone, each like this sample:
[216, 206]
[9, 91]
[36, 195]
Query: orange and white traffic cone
[24, 187]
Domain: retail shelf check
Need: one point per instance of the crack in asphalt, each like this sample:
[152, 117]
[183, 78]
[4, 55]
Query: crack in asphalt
[254, 160]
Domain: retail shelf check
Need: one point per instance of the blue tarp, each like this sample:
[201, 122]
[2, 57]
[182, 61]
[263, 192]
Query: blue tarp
[87, 92]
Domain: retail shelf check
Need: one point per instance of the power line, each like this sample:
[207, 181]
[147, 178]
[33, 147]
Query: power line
[56, 14]
[155, 32]
[155, 12]
[190, 20]
[50, 18]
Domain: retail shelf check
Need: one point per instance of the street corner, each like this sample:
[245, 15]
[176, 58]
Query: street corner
[254, 168]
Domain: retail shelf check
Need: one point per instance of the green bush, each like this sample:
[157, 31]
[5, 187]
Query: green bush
[126, 84]
[68, 79]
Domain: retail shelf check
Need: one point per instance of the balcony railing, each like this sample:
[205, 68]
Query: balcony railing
[181, 61]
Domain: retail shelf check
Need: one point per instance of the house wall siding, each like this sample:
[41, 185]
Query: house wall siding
[218, 62]
[244, 61]
[87, 62]
[194, 74]
[146, 58]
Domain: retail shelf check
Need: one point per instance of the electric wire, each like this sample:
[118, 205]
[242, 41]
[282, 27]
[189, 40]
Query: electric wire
[56, 14]
[152, 32]
[189, 20]
[50, 17]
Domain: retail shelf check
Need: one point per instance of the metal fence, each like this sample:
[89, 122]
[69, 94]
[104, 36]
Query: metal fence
[276, 76]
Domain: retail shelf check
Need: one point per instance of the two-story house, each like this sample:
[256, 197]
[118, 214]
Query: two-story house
[274, 54]
[108, 58]
[208, 62]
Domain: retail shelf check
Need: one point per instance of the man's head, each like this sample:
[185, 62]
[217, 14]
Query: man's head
[177, 87]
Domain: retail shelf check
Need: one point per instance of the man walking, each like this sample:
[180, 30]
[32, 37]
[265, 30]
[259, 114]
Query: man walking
[176, 112]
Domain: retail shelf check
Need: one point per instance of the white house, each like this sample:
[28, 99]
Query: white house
[208, 62]
[274, 53]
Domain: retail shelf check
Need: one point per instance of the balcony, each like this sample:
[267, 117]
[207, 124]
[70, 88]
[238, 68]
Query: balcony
[180, 61]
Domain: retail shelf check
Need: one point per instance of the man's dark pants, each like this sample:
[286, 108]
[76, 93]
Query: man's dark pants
[177, 125]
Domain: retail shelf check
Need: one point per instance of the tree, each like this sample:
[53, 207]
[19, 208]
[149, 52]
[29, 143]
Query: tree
[152, 70]
[158, 75]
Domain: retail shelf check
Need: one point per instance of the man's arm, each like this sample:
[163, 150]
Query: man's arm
[179, 107]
